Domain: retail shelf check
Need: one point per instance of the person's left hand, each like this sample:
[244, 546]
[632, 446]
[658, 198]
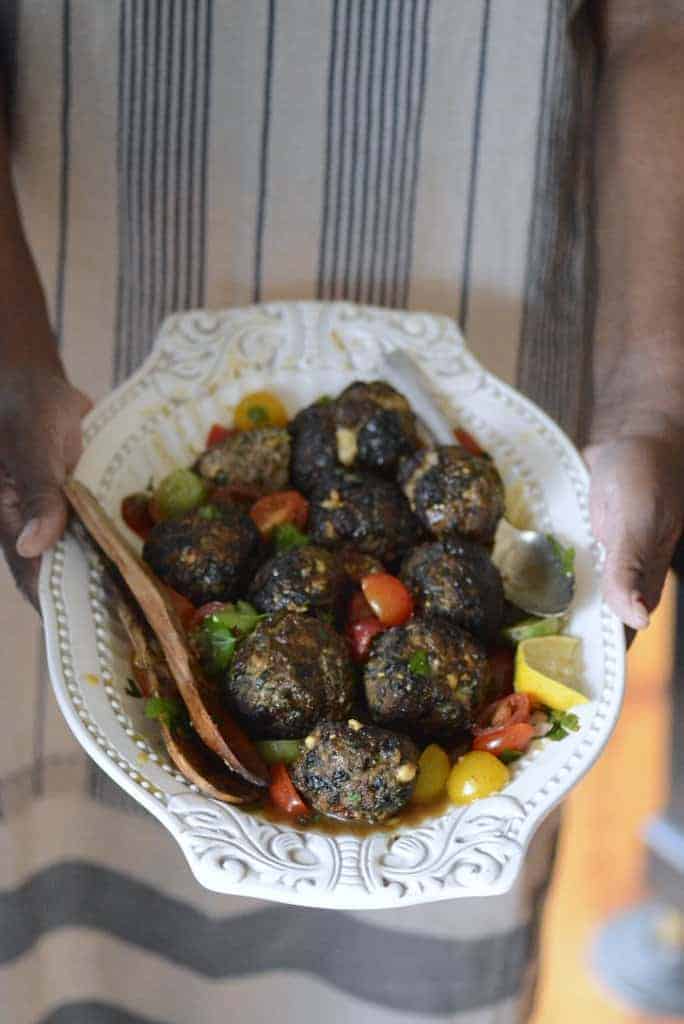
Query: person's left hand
[637, 512]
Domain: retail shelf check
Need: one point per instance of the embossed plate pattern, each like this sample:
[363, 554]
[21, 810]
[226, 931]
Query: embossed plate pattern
[202, 363]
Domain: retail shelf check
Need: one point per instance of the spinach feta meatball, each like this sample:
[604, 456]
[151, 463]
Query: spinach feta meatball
[259, 457]
[356, 772]
[456, 579]
[427, 679]
[314, 448]
[304, 579]
[374, 426]
[367, 512]
[451, 490]
[204, 559]
[288, 674]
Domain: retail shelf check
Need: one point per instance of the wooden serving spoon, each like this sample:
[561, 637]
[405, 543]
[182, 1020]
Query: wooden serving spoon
[211, 719]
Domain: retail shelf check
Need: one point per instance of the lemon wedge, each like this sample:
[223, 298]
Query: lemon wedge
[545, 667]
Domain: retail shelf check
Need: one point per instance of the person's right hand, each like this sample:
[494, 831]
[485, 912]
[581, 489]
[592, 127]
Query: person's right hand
[40, 443]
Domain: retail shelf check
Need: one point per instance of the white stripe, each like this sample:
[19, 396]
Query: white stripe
[79, 965]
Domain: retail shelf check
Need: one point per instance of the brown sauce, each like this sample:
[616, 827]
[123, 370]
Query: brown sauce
[411, 816]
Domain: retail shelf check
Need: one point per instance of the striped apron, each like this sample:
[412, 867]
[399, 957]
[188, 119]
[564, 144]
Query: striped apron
[170, 154]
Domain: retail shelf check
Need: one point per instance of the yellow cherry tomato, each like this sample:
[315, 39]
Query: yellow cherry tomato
[475, 775]
[260, 409]
[433, 772]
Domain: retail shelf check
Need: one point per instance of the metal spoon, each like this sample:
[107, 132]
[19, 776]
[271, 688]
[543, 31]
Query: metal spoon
[533, 576]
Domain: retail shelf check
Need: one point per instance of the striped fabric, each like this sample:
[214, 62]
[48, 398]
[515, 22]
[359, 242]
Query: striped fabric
[419, 153]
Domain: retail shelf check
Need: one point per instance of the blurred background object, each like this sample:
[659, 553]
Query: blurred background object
[605, 868]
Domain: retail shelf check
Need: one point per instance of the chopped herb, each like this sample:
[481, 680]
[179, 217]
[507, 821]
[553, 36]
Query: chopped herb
[209, 512]
[167, 710]
[509, 756]
[562, 723]
[354, 798]
[566, 556]
[258, 415]
[324, 400]
[419, 663]
[215, 642]
[132, 688]
[286, 536]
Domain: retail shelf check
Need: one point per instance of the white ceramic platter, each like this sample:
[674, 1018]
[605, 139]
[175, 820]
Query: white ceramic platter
[202, 363]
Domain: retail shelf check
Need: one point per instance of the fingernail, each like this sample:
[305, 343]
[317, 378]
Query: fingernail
[641, 616]
[26, 536]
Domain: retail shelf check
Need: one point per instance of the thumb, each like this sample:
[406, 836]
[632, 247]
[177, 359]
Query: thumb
[39, 474]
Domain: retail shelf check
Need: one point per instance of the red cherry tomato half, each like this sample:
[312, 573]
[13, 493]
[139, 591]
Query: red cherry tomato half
[502, 670]
[361, 635]
[468, 442]
[511, 710]
[388, 597]
[283, 794]
[217, 434]
[516, 736]
[359, 610]
[282, 507]
[200, 614]
[135, 512]
[182, 607]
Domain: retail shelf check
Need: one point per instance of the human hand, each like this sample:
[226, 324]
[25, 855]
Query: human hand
[637, 512]
[40, 443]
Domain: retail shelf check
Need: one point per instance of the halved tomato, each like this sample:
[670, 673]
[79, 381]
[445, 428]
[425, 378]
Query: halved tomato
[359, 610]
[502, 669]
[515, 736]
[510, 710]
[388, 597]
[260, 409]
[200, 614]
[281, 507]
[361, 635]
[218, 433]
[283, 793]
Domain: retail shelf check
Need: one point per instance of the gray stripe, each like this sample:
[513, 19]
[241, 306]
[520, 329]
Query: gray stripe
[9, 21]
[263, 157]
[165, 51]
[95, 1013]
[554, 363]
[39, 711]
[62, 238]
[418, 974]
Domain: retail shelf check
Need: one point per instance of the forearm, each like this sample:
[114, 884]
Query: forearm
[639, 344]
[26, 338]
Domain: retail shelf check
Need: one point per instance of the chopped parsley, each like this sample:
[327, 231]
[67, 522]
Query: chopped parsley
[132, 688]
[566, 556]
[167, 710]
[509, 756]
[354, 798]
[209, 512]
[324, 400]
[286, 536]
[258, 415]
[562, 723]
[419, 663]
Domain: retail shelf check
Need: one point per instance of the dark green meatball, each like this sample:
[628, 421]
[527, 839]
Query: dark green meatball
[374, 426]
[356, 772]
[427, 679]
[204, 559]
[304, 579]
[314, 448]
[259, 457]
[451, 490]
[367, 512]
[287, 675]
[456, 579]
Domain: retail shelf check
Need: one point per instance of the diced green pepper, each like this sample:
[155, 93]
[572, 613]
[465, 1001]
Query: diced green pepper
[529, 628]
[286, 536]
[277, 751]
[419, 663]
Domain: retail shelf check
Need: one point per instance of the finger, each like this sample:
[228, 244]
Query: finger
[25, 571]
[638, 555]
[39, 472]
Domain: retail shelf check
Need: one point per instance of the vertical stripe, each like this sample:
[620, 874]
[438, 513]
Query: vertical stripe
[423, 72]
[64, 169]
[474, 165]
[375, 102]
[263, 159]
[9, 19]
[165, 50]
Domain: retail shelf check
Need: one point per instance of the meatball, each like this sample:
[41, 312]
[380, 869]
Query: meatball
[371, 514]
[357, 564]
[357, 772]
[314, 448]
[451, 490]
[259, 457]
[204, 559]
[290, 673]
[299, 580]
[374, 426]
[427, 679]
[456, 579]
